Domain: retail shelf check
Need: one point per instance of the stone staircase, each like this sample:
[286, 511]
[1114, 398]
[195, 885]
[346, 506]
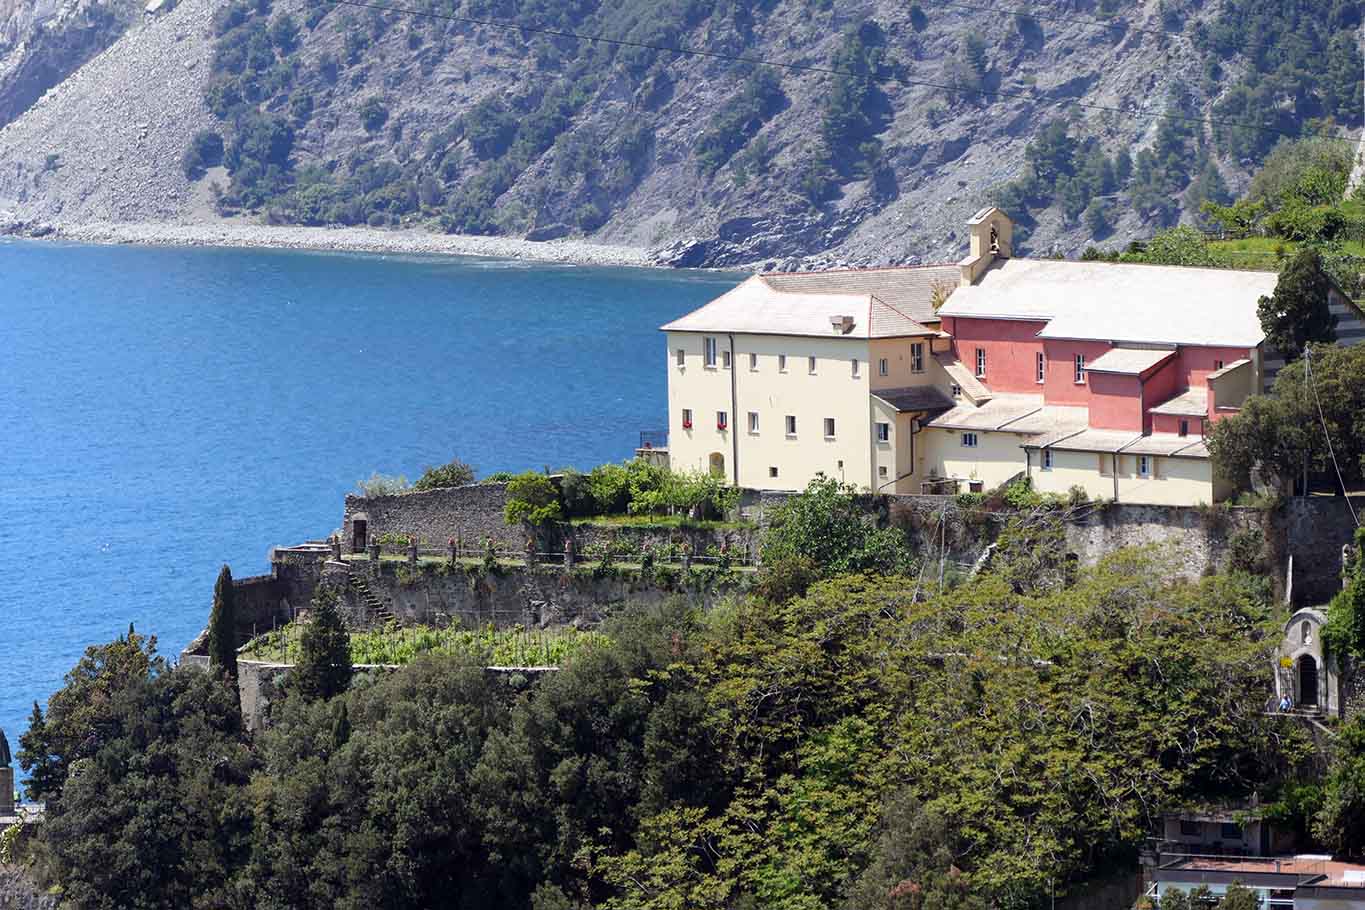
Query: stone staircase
[376, 611]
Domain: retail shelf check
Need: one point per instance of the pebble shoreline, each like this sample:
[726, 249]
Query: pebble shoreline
[358, 240]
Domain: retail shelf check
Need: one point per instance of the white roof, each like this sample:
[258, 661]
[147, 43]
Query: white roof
[993, 415]
[1115, 302]
[1189, 403]
[1097, 441]
[1129, 361]
[756, 307]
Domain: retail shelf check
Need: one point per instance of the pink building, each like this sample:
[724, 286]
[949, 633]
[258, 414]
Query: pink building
[1100, 375]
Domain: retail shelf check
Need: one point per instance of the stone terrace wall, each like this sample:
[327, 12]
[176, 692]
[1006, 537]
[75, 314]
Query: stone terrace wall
[541, 597]
[471, 513]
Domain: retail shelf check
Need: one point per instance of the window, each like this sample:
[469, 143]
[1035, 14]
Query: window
[883, 432]
[1306, 633]
[1080, 368]
[753, 421]
[957, 390]
[1217, 365]
[1040, 366]
[791, 424]
[882, 367]
[781, 363]
[1190, 828]
[725, 359]
[722, 421]
[980, 363]
[680, 356]
[829, 427]
[917, 357]
[812, 364]
[1229, 831]
[1144, 466]
[881, 470]
[969, 440]
[772, 472]
[854, 364]
[1184, 428]
[1047, 459]
[753, 361]
[687, 418]
[709, 352]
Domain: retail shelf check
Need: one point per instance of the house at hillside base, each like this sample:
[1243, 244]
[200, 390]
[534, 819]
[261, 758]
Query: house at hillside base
[1303, 882]
[1099, 375]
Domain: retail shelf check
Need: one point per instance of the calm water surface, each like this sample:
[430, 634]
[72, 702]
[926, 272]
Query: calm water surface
[164, 411]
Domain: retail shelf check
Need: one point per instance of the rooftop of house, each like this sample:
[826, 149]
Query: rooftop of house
[1121, 302]
[1130, 361]
[913, 399]
[1189, 403]
[882, 303]
[1321, 870]
[909, 289]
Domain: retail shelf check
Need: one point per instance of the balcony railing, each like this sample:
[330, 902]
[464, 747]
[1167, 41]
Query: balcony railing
[653, 439]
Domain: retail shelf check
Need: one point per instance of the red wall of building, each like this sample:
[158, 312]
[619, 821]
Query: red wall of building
[1060, 387]
[1169, 423]
[1115, 402]
[1162, 384]
[1011, 351]
[1197, 363]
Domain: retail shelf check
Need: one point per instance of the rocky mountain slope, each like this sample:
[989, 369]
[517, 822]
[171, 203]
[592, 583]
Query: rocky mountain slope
[44, 41]
[106, 143]
[342, 114]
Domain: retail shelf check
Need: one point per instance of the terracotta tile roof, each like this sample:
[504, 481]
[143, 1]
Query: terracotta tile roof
[757, 307]
[908, 290]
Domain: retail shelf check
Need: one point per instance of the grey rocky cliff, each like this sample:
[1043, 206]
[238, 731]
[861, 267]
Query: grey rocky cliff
[120, 123]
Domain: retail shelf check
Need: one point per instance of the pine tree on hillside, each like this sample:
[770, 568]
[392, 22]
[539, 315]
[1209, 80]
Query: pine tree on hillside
[1298, 312]
[324, 666]
[223, 627]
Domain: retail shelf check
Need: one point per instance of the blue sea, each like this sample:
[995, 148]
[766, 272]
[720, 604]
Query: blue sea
[165, 411]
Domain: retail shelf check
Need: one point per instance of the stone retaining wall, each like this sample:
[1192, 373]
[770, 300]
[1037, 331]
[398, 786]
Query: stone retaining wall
[472, 513]
[544, 596]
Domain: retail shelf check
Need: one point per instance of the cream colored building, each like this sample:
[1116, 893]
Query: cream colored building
[1093, 375]
[789, 376]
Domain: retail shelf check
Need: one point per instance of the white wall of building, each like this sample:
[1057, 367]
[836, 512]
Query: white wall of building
[833, 391]
[996, 457]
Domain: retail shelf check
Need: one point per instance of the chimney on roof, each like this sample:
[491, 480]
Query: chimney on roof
[992, 235]
[841, 325]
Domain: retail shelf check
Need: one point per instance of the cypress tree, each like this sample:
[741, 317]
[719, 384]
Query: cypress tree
[324, 666]
[223, 627]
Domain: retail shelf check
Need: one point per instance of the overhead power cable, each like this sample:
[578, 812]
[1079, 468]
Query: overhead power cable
[823, 70]
[1331, 450]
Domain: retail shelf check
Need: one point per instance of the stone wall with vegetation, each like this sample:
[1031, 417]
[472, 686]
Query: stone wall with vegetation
[473, 513]
[470, 595]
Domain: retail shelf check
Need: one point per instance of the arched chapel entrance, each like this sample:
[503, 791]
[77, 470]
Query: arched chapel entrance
[1308, 681]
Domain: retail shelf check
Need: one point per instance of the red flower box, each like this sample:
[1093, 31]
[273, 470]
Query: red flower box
[687, 424]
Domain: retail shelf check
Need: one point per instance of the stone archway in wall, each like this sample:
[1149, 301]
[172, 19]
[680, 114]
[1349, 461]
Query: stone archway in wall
[716, 464]
[360, 532]
[1308, 681]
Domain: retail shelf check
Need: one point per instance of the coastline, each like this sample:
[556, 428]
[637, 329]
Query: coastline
[350, 239]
